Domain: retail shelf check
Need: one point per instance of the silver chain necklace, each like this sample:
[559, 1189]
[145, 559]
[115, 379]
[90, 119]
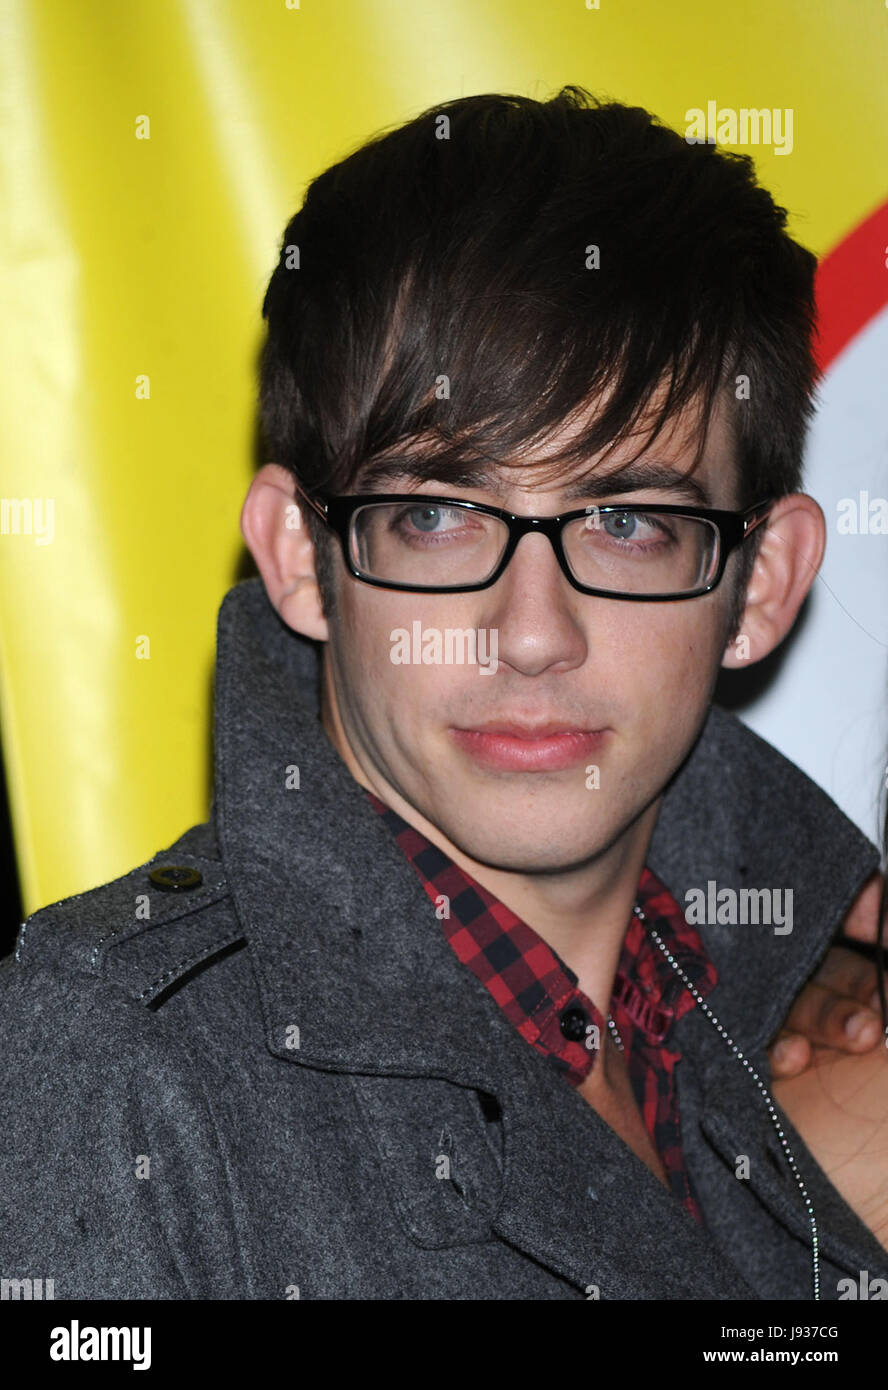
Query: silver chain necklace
[772, 1109]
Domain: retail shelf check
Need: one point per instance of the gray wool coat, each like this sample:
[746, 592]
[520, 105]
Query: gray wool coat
[240, 1079]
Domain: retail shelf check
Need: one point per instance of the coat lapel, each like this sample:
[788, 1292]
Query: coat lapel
[741, 816]
[565, 1203]
[732, 1120]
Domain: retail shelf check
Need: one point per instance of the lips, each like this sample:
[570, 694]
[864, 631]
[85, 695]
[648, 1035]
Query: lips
[511, 746]
[515, 729]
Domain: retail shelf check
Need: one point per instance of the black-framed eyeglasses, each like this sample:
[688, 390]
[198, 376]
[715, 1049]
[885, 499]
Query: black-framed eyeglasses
[429, 544]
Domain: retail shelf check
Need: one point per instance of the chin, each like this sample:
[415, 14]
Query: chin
[525, 849]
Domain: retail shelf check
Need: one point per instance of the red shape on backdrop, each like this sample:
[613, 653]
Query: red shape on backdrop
[852, 285]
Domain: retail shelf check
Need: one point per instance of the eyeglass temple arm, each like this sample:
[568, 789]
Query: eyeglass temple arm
[318, 507]
[756, 515]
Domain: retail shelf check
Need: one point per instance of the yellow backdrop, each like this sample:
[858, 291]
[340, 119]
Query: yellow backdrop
[151, 155]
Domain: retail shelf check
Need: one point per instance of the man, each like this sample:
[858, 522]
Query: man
[420, 1012]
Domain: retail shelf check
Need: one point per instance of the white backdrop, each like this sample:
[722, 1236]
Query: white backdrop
[827, 707]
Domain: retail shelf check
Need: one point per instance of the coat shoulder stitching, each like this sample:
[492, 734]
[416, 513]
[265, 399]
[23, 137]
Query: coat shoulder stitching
[68, 928]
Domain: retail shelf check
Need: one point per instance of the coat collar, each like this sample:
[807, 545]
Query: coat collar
[354, 971]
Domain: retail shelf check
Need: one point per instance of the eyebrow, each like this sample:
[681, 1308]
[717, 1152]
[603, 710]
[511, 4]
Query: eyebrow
[635, 477]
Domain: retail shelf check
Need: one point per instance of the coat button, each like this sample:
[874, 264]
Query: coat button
[175, 878]
[574, 1022]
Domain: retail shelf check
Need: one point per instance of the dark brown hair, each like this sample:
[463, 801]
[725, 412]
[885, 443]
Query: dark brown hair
[457, 246]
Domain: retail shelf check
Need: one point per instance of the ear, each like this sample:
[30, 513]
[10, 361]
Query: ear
[274, 527]
[789, 556]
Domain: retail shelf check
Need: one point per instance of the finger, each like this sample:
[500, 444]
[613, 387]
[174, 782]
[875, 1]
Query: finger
[832, 1020]
[850, 974]
[861, 923]
[790, 1055]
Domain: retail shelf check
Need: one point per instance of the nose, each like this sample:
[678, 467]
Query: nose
[535, 610]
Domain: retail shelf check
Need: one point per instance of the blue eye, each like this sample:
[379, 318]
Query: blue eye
[428, 517]
[620, 520]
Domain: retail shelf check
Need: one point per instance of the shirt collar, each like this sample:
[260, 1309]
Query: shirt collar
[536, 990]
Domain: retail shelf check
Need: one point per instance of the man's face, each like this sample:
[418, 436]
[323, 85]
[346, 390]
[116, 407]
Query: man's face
[636, 678]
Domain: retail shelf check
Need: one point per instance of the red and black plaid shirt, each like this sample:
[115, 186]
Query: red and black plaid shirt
[538, 993]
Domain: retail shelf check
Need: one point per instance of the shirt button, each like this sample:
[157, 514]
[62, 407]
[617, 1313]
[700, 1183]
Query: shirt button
[574, 1022]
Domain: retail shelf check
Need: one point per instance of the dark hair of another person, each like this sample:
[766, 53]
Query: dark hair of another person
[466, 256]
[882, 932]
